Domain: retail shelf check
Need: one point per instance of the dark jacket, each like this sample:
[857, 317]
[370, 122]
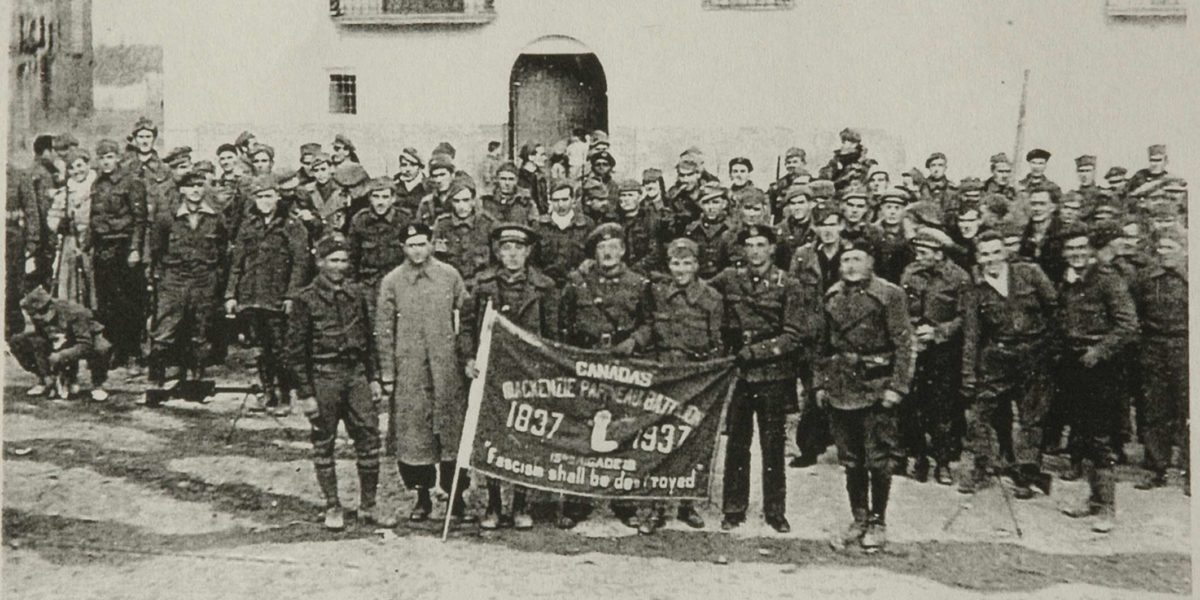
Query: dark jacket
[377, 243]
[270, 260]
[1161, 297]
[688, 323]
[1097, 313]
[119, 207]
[560, 251]
[600, 310]
[770, 317]
[1025, 317]
[529, 299]
[329, 323]
[179, 252]
[463, 243]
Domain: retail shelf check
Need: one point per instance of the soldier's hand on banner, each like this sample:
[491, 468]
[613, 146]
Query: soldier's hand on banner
[388, 386]
[1090, 358]
[230, 306]
[925, 333]
[30, 265]
[376, 392]
[135, 257]
[287, 307]
[822, 398]
[309, 407]
[625, 348]
[890, 398]
[470, 369]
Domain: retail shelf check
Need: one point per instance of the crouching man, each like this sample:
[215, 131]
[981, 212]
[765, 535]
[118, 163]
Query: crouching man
[332, 359]
[63, 333]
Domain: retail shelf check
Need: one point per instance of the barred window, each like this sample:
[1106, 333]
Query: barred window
[343, 94]
[749, 4]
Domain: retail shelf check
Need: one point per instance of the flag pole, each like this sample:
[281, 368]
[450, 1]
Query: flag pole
[1020, 141]
[474, 402]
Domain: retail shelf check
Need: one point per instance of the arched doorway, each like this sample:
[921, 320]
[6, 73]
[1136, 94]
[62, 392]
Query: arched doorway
[557, 84]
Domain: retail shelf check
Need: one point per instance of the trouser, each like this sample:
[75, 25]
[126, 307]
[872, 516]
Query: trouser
[766, 402]
[1007, 374]
[14, 287]
[1095, 393]
[344, 395]
[1164, 366]
[934, 407]
[495, 501]
[370, 284]
[867, 442]
[120, 297]
[424, 477]
[812, 430]
[221, 330]
[1132, 397]
[269, 328]
[182, 318]
[32, 352]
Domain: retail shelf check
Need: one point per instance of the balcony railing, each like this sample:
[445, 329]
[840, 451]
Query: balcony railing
[412, 12]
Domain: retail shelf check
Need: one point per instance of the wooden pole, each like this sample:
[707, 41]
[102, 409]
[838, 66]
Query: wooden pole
[474, 402]
[1016, 158]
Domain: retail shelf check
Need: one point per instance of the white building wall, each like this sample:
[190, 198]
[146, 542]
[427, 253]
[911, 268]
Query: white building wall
[915, 76]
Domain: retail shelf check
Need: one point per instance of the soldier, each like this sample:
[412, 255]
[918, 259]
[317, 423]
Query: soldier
[331, 356]
[460, 237]
[970, 191]
[863, 371]
[1160, 294]
[599, 204]
[964, 233]
[269, 264]
[654, 193]
[740, 185]
[1098, 319]
[709, 231]
[1089, 192]
[1000, 181]
[187, 248]
[1008, 338]
[508, 202]
[938, 187]
[118, 225]
[768, 320]
[793, 163]
[796, 228]
[22, 235]
[877, 183]
[562, 235]
[329, 202]
[532, 176]
[37, 190]
[605, 305]
[602, 171]
[528, 298]
[342, 151]
[644, 230]
[63, 334]
[262, 158]
[894, 250]
[1117, 188]
[375, 240]
[1155, 171]
[1072, 209]
[683, 198]
[823, 191]
[849, 165]
[1042, 239]
[854, 217]
[422, 370]
[410, 185]
[1036, 178]
[935, 288]
[437, 201]
[308, 151]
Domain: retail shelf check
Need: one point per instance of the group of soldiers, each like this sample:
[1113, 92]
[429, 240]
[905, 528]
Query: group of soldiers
[907, 317]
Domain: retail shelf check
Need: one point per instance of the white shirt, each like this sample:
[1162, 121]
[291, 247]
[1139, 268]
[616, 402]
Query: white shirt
[999, 282]
[562, 221]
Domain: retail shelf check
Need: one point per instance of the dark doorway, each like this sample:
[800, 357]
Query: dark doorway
[550, 94]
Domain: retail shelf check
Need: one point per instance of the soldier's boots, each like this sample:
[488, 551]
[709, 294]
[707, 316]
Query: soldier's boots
[422, 508]
[941, 474]
[99, 395]
[37, 390]
[375, 516]
[876, 535]
[688, 515]
[975, 479]
[855, 531]
[1106, 520]
[335, 518]
[779, 523]
[520, 518]
[921, 469]
[1075, 473]
[732, 521]
[521, 521]
[493, 516]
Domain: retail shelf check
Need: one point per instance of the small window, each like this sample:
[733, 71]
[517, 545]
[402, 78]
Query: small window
[343, 94]
[749, 4]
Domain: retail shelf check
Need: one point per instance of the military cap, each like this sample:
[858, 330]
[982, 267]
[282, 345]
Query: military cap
[651, 175]
[999, 158]
[1148, 188]
[411, 155]
[593, 187]
[1078, 230]
[1087, 160]
[1174, 232]
[793, 152]
[320, 158]
[508, 167]
[146, 124]
[629, 184]
[350, 174]
[261, 149]
[177, 155]
[440, 161]
[605, 231]
[262, 183]
[741, 160]
[693, 151]
[753, 231]
[64, 141]
[309, 149]
[687, 165]
[970, 184]
[895, 195]
[603, 155]
[36, 301]
[1072, 199]
[1116, 172]
[513, 232]
[191, 180]
[107, 146]
[328, 244]
[713, 190]
[243, 138]
[343, 140]
[1174, 185]
[925, 213]
[1103, 233]
[997, 204]
[821, 188]
[416, 229]
[967, 206]
[599, 137]
[932, 237]
[288, 179]
[753, 197]
[204, 166]
[226, 147]
[855, 191]
[850, 135]
[1010, 228]
[1157, 150]
[796, 191]
[462, 181]
[379, 184]
[820, 214]
[877, 169]
[1037, 153]
[933, 157]
[683, 248]
[1104, 207]
[859, 242]
[1163, 210]
[446, 149]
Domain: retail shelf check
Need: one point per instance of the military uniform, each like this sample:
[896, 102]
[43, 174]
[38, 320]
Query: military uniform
[792, 235]
[644, 233]
[37, 189]
[1045, 250]
[63, 333]
[463, 243]
[22, 231]
[1031, 182]
[893, 253]
[683, 205]
[561, 249]
[941, 191]
[816, 272]
[602, 310]
[376, 247]
[1160, 294]
[118, 223]
[847, 169]
[716, 242]
[517, 207]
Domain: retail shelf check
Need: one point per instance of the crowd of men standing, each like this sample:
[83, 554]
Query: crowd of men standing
[921, 316]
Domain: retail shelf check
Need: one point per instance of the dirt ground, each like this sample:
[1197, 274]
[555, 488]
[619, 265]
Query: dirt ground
[188, 500]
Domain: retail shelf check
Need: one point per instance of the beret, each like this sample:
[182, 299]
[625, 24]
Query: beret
[440, 161]
[651, 175]
[146, 124]
[931, 237]
[226, 147]
[999, 158]
[379, 184]
[1037, 153]
[594, 187]
[243, 138]
[107, 146]
[687, 165]
[416, 229]
[741, 160]
[343, 140]
[309, 149]
[411, 155]
[176, 155]
[320, 158]
[288, 179]
[753, 197]
[462, 181]
[445, 148]
[858, 241]
[895, 195]
[190, 180]
[821, 188]
[692, 151]
[260, 149]
[877, 169]
[794, 151]
[821, 214]
[1103, 233]
[204, 166]
[683, 248]
[1174, 232]
[850, 135]
[1147, 188]
[1010, 228]
[925, 213]
[1116, 172]
[334, 242]
[1174, 184]
[603, 155]
[854, 192]
[349, 174]
[752, 231]
[629, 184]
[513, 232]
[796, 191]
[970, 184]
[606, 231]
[1164, 210]
[1072, 198]
[37, 300]
[1087, 160]
[712, 190]
[509, 167]
[1157, 150]
[933, 157]
[262, 183]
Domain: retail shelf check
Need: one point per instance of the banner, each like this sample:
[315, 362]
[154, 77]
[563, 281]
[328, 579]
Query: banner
[563, 419]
